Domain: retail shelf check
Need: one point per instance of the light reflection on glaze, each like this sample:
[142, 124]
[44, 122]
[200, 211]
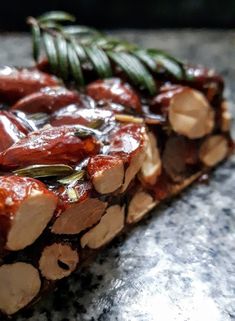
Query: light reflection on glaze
[11, 130]
[47, 100]
[13, 191]
[17, 83]
[127, 140]
[73, 114]
[115, 91]
[50, 146]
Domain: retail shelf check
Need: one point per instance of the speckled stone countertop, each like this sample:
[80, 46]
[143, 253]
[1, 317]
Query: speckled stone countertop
[179, 264]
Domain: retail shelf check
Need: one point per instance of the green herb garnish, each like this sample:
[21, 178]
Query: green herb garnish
[44, 170]
[69, 48]
[72, 179]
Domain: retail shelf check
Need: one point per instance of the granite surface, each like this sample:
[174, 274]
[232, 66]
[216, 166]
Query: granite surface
[179, 263]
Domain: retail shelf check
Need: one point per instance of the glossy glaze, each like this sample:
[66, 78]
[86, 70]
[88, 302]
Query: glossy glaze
[205, 80]
[82, 189]
[127, 140]
[116, 91]
[74, 115]
[159, 104]
[178, 264]
[47, 100]
[17, 188]
[100, 163]
[11, 130]
[17, 83]
[50, 146]
[13, 191]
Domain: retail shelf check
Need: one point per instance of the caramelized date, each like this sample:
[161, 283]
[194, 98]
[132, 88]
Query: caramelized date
[74, 115]
[43, 65]
[47, 100]
[57, 145]
[115, 91]
[26, 208]
[205, 80]
[11, 130]
[17, 83]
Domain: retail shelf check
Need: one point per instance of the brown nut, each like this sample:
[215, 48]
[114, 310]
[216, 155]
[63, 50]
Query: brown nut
[20, 283]
[225, 117]
[213, 150]
[106, 172]
[109, 226]
[178, 156]
[26, 207]
[190, 114]
[177, 188]
[79, 216]
[129, 143]
[58, 261]
[152, 165]
[134, 166]
[140, 204]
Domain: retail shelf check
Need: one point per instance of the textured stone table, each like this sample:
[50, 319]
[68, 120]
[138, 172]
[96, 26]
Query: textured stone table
[179, 264]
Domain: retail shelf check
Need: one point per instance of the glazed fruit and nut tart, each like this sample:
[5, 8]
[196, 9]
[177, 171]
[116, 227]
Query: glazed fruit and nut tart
[93, 137]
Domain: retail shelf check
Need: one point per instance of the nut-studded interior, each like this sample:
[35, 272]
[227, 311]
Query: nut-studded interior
[98, 160]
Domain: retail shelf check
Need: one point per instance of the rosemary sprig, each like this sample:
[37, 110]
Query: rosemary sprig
[70, 181]
[84, 132]
[36, 171]
[69, 48]
[73, 178]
